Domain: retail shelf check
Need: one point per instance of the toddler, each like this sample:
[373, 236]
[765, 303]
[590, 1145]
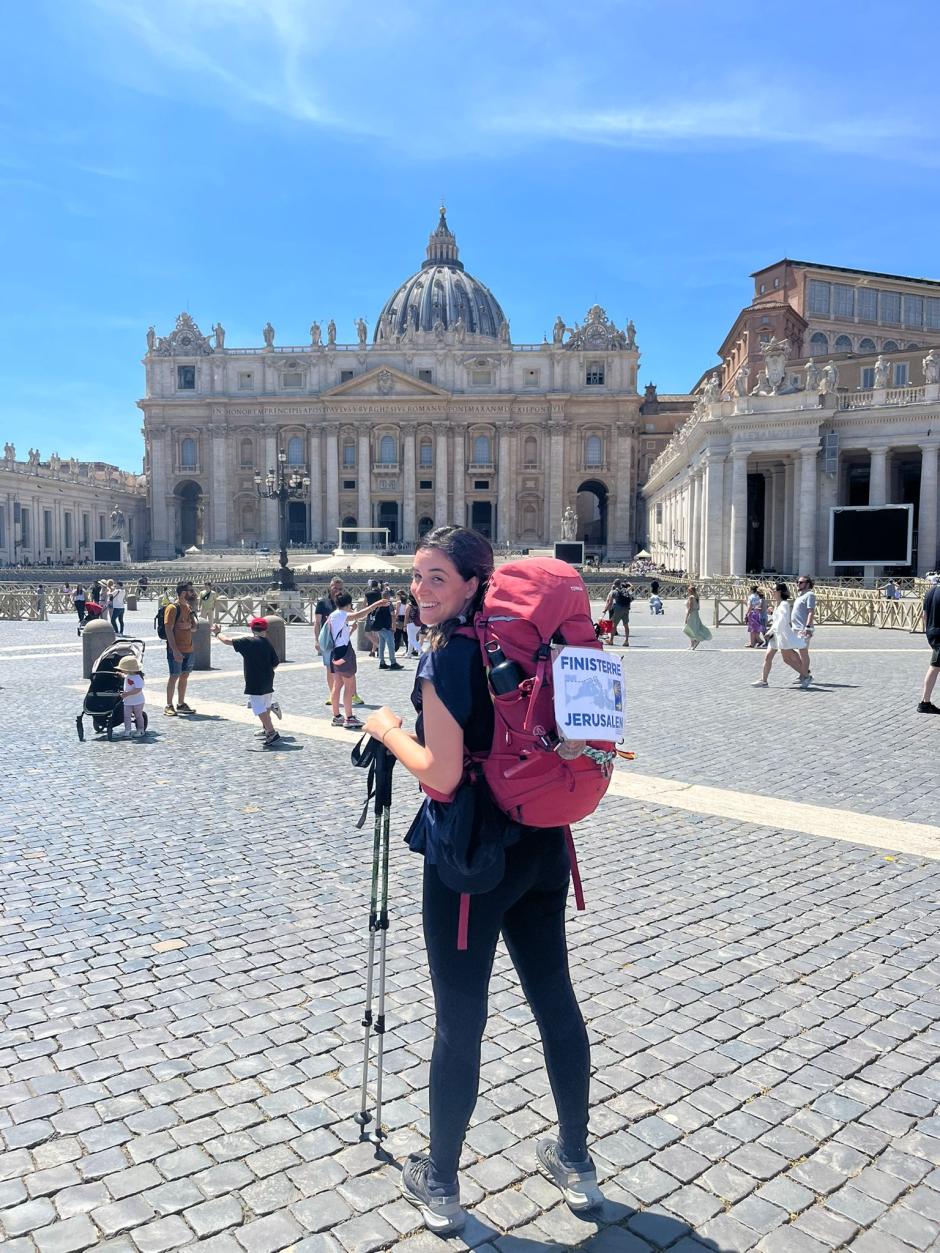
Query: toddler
[129, 667]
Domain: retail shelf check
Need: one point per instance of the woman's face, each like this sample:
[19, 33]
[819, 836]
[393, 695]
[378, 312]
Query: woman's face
[439, 588]
[777, 597]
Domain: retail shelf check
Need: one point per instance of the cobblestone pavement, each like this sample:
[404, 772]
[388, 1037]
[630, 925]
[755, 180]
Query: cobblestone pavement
[182, 953]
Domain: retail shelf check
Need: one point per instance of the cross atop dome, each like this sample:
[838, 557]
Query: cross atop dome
[442, 244]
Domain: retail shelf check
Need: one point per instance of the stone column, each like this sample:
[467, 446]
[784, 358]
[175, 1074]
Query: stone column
[828, 496]
[269, 525]
[797, 515]
[332, 485]
[441, 516]
[316, 488]
[927, 516]
[808, 505]
[409, 486]
[458, 515]
[692, 532]
[620, 543]
[780, 512]
[556, 479]
[738, 511]
[878, 477]
[363, 480]
[766, 558]
[503, 487]
[159, 490]
[786, 558]
[218, 487]
[714, 514]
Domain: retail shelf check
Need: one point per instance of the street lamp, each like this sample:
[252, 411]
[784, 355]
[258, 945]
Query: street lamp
[282, 485]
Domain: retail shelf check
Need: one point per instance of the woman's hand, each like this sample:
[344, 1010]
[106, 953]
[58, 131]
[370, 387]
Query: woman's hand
[381, 722]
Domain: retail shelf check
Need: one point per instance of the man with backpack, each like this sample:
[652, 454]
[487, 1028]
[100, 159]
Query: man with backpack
[491, 839]
[179, 622]
[617, 609]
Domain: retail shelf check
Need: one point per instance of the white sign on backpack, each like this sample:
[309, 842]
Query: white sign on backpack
[589, 694]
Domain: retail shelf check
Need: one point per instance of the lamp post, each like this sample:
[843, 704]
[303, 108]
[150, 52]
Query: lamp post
[282, 485]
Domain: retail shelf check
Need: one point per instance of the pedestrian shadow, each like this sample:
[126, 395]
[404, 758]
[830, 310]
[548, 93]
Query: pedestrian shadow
[201, 718]
[599, 1228]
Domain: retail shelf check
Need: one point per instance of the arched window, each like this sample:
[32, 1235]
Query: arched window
[388, 451]
[913, 345]
[889, 346]
[425, 454]
[349, 454]
[248, 518]
[593, 451]
[819, 345]
[247, 455]
[188, 454]
[530, 453]
[295, 451]
[866, 345]
[349, 520]
[425, 524]
[482, 451]
[843, 344]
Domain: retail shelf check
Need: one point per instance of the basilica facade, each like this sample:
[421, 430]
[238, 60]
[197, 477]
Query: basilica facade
[441, 418]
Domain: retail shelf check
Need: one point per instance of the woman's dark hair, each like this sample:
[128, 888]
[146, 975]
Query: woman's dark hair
[472, 554]
[373, 585]
[753, 587]
[783, 590]
[343, 600]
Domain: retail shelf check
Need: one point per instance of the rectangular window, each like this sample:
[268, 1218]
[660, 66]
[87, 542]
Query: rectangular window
[891, 307]
[425, 455]
[47, 528]
[349, 485]
[531, 378]
[843, 300]
[86, 530]
[933, 313]
[345, 376]
[866, 303]
[914, 311]
[481, 485]
[659, 515]
[246, 381]
[67, 520]
[425, 485]
[3, 528]
[868, 378]
[900, 374]
[186, 378]
[349, 455]
[292, 381]
[101, 526]
[594, 376]
[424, 376]
[817, 297]
[24, 526]
[481, 378]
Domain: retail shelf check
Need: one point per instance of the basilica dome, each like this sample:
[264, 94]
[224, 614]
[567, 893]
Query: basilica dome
[442, 299]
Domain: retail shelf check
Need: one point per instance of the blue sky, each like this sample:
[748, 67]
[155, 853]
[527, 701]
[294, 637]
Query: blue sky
[284, 159]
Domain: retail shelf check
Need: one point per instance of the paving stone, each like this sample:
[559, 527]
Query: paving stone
[164, 1233]
[323, 1212]
[67, 1236]
[123, 1215]
[364, 1233]
[210, 1217]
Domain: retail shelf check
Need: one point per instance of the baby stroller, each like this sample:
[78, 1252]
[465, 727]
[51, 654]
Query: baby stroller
[104, 702]
[93, 611]
[604, 630]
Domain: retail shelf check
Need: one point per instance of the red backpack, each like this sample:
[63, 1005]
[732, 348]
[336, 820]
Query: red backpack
[529, 606]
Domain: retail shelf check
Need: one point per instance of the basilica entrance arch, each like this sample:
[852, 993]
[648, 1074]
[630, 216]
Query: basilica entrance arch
[297, 522]
[591, 508]
[188, 501]
[481, 518]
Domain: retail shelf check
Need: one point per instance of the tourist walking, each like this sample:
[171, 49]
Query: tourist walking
[179, 622]
[694, 627]
[133, 696]
[343, 658]
[259, 661]
[617, 609]
[322, 610]
[412, 627]
[930, 622]
[782, 638]
[401, 607]
[118, 604]
[755, 626]
[373, 595]
[527, 907]
[382, 626]
[78, 600]
[802, 619]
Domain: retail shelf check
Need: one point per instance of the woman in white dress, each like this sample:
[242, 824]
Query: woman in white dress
[781, 637]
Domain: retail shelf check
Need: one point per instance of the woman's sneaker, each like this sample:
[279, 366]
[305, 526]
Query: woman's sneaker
[338, 720]
[577, 1183]
[441, 1214]
[353, 724]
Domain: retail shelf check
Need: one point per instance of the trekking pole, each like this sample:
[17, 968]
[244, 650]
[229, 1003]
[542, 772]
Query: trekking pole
[371, 755]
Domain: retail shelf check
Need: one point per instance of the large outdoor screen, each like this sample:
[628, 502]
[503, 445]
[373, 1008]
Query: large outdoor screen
[571, 551]
[107, 550]
[871, 535]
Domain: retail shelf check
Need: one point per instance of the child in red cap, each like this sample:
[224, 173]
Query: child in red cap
[259, 658]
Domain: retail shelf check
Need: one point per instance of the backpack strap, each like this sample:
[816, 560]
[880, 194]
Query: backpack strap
[544, 656]
[575, 872]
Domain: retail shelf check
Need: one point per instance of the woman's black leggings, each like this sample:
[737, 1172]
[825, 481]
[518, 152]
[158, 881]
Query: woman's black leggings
[80, 609]
[528, 908]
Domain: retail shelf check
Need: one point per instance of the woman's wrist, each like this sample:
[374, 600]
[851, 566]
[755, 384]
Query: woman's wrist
[389, 731]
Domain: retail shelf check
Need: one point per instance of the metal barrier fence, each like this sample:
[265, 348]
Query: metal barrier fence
[838, 610]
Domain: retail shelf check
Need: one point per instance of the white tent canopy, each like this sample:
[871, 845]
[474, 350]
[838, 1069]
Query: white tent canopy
[642, 554]
[351, 561]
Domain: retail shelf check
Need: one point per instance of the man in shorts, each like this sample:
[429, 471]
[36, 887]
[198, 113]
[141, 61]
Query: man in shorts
[322, 610]
[802, 619]
[259, 659]
[617, 608]
[179, 622]
[930, 620]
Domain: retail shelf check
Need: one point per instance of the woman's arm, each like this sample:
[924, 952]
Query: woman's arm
[440, 766]
[353, 615]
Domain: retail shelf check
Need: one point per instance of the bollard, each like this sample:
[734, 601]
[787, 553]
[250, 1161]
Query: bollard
[96, 637]
[277, 635]
[202, 645]
[131, 603]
